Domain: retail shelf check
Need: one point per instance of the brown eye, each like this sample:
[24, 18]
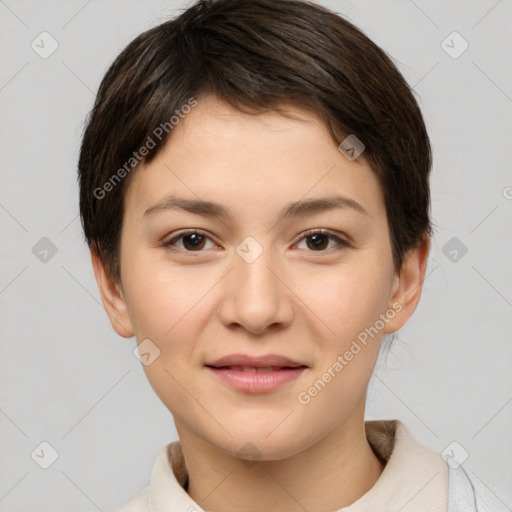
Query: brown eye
[318, 240]
[195, 241]
[192, 241]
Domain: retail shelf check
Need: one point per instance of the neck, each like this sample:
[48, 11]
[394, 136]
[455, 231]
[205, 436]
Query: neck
[328, 475]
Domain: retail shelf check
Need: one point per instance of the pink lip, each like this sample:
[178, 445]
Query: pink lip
[229, 370]
[256, 382]
[255, 361]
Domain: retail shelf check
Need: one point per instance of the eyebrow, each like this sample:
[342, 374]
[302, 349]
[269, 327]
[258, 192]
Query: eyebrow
[294, 209]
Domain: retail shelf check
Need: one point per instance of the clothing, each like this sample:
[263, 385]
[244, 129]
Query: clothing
[415, 479]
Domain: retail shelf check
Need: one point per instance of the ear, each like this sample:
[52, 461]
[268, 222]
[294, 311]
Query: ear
[112, 298]
[408, 285]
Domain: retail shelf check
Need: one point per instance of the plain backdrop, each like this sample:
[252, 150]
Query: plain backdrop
[72, 389]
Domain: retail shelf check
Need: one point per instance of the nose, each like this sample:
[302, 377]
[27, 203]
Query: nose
[256, 296]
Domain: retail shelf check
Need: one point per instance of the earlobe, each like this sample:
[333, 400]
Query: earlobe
[112, 298]
[408, 286]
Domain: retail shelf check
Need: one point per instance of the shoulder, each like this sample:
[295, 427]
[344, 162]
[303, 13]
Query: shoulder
[139, 503]
[471, 494]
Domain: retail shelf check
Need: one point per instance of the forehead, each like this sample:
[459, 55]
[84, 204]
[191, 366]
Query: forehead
[213, 122]
[219, 153]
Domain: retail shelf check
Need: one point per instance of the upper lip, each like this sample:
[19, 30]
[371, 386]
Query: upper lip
[255, 362]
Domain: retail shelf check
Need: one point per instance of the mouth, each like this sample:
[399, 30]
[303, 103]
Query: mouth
[256, 379]
[256, 368]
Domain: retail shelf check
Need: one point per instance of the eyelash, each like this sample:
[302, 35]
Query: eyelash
[342, 244]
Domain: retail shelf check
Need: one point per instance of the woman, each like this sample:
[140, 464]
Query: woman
[255, 196]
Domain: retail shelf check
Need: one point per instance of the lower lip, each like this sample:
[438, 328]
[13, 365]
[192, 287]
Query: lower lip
[256, 382]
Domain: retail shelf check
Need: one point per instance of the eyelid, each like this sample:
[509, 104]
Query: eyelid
[342, 240]
[168, 242]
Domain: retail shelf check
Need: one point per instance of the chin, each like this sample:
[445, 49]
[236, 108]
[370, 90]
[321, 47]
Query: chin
[255, 445]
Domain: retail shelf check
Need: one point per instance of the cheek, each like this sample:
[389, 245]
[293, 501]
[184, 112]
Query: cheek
[348, 299]
[169, 306]
[349, 303]
[158, 295]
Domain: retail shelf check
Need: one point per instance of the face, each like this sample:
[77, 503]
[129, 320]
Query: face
[304, 285]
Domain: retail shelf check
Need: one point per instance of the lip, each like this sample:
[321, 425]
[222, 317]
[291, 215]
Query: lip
[255, 361]
[254, 381]
[285, 370]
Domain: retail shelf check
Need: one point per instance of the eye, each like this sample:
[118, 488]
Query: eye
[193, 241]
[319, 237]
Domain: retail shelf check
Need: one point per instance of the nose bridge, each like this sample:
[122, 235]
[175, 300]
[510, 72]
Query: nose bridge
[252, 268]
[255, 296]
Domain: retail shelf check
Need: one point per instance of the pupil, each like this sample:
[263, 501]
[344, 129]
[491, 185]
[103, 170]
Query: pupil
[318, 241]
[315, 237]
[193, 236]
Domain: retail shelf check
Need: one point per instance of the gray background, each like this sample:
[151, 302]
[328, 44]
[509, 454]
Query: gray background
[68, 380]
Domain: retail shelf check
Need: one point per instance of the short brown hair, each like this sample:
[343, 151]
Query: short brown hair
[256, 55]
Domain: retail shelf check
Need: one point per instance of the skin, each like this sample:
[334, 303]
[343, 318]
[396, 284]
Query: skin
[296, 300]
